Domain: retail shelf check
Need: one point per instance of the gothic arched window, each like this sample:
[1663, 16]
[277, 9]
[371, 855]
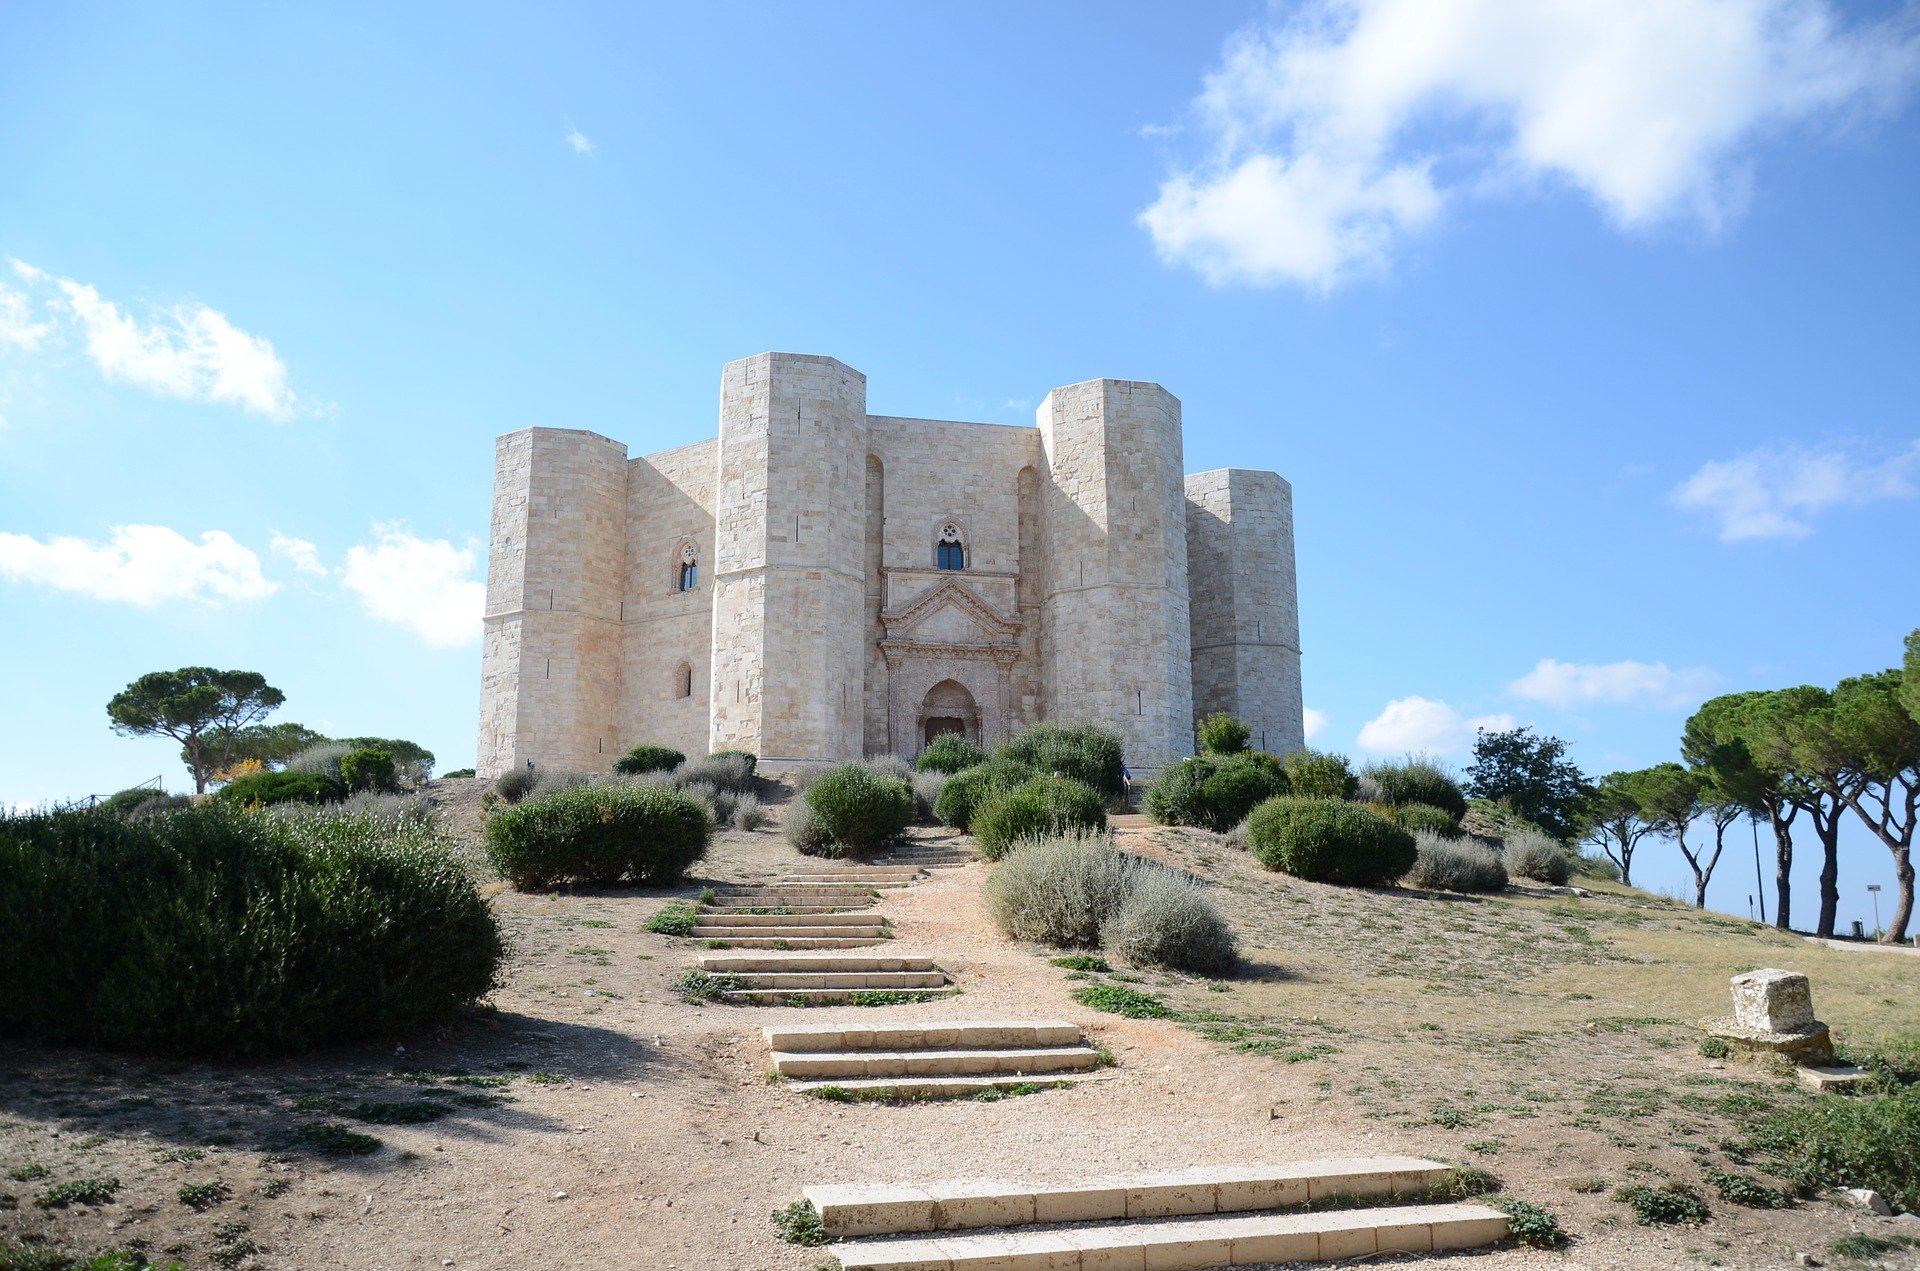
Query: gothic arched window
[689, 568]
[951, 551]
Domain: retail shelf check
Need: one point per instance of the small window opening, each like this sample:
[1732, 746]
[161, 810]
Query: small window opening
[689, 568]
[950, 552]
[683, 681]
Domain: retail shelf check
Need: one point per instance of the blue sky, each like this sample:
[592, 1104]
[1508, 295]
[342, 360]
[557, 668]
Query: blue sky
[1586, 342]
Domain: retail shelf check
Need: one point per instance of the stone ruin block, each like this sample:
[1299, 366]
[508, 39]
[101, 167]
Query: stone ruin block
[1771, 1001]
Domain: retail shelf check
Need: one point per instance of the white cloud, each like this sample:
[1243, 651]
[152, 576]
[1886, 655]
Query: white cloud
[141, 565]
[420, 584]
[1568, 684]
[1315, 721]
[1422, 725]
[298, 552]
[578, 140]
[17, 326]
[1775, 492]
[1357, 121]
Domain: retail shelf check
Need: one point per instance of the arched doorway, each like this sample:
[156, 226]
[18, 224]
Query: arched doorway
[949, 708]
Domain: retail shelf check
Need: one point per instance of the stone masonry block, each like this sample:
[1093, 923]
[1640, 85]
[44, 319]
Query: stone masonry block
[1773, 1001]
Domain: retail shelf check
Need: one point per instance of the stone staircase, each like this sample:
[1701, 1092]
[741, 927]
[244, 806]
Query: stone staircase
[808, 908]
[918, 1060]
[1216, 1216]
[941, 855]
[825, 979]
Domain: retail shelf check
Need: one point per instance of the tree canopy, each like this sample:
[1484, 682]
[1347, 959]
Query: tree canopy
[194, 705]
[1531, 775]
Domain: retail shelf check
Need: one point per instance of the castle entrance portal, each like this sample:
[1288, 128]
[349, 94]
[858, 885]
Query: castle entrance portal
[949, 708]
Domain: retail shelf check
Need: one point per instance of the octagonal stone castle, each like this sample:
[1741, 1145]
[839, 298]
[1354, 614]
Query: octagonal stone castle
[820, 584]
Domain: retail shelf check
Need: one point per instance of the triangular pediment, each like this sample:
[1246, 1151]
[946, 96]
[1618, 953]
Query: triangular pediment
[949, 613]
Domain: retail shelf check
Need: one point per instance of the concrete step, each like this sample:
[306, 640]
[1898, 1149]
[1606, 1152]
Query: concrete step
[788, 930]
[893, 1210]
[787, 911]
[788, 980]
[841, 872]
[723, 964]
[955, 1062]
[853, 918]
[942, 1034]
[1194, 1243]
[917, 1088]
[841, 884]
[760, 941]
[818, 997]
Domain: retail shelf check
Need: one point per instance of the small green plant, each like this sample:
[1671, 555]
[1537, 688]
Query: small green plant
[329, 1139]
[203, 1196]
[890, 997]
[676, 918]
[1463, 1182]
[1664, 1205]
[799, 1224]
[235, 1246]
[646, 758]
[1738, 1189]
[1590, 1184]
[1837, 1141]
[78, 1191]
[546, 1079]
[708, 896]
[169, 1155]
[1081, 962]
[1714, 1048]
[412, 1112]
[1117, 999]
[274, 1188]
[1528, 1224]
[28, 1173]
[702, 986]
[1859, 1247]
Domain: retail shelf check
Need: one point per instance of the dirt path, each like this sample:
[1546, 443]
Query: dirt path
[591, 1119]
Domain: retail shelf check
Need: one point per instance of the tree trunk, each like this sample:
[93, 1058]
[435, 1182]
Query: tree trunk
[1783, 862]
[1828, 830]
[199, 766]
[1903, 906]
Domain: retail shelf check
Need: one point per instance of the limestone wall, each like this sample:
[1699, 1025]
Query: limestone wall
[667, 634]
[1245, 615]
[550, 678]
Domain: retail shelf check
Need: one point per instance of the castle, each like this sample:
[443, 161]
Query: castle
[820, 584]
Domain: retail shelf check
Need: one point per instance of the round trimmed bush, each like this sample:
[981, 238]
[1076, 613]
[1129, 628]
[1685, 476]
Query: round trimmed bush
[1531, 854]
[949, 753]
[1169, 920]
[1060, 890]
[648, 758]
[1424, 816]
[1419, 781]
[598, 836]
[368, 769]
[747, 757]
[1448, 864]
[516, 784]
[965, 790]
[215, 933]
[1320, 774]
[1329, 841]
[803, 832]
[858, 809]
[1085, 752]
[126, 801]
[1222, 734]
[1214, 792]
[264, 789]
[1040, 806]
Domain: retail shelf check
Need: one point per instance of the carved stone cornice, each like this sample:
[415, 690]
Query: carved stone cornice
[898, 651]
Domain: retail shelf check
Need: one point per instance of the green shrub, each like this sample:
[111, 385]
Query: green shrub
[1419, 780]
[804, 831]
[647, 758]
[949, 753]
[1329, 841]
[599, 836]
[1666, 1204]
[748, 814]
[1222, 734]
[412, 762]
[799, 1224]
[675, 918]
[126, 801]
[1738, 1189]
[1169, 920]
[212, 933]
[889, 766]
[965, 790]
[1085, 752]
[1529, 1224]
[1319, 774]
[322, 757]
[268, 788]
[1455, 865]
[457, 774]
[1060, 891]
[1215, 793]
[1041, 806]
[1424, 816]
[1532, 854]
[200, 1197]
[747, 757]
[78, 1191]
[368, 770]
[516, 784]
[859, 809]
[926, 795]
[1842, 1141]
[731, 771]
[1118, 999]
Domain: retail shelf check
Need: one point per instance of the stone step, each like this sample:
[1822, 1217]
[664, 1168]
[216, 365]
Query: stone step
[938, 1034]
[809, 891]
[840, 979]
[790, 910]
[852, 918]
[842, 872]
[956, 1062]
[894, 1210]
[918, 1088]
[818, 997]
[788, 929]
[1194, 1243]
[762, 941]
[840, 884]
[723, 964]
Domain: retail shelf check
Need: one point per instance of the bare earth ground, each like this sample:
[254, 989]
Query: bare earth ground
[597, 1121]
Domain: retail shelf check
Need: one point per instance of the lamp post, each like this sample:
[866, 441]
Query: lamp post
[1874, 889]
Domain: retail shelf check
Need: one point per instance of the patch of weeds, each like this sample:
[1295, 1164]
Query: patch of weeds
[1588, 1185]
[1117, 999]
[79, 1191]
[799, 1224]
[274, 1188]
[1319, 1050]
[235, 1246]
[481, 1100]
[335, 1140]
[595, 922]
[1714, 1048]
[675, 918]
[993, 1094]
[890, 997]
[1625, 1102]
[1664, 1205]
[489, 1083]
[1487, 1147]
[28, 1173]
[1528, 1224]
[546, 1079]
[316, 1103]
[1462, 1182]
[90, 1142]
[200, 1197]
[413, 1112]
[708, 896]
[1081, 962]
[173, 1154]
[1449, 1118]
[719, 944]
[1103, 1058]
[1738, 1189]
[600, 957]
[1864, 1248]
[701, 986]
[1841, 1141]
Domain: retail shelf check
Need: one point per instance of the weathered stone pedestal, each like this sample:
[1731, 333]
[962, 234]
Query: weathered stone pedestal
[1773, 1015]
